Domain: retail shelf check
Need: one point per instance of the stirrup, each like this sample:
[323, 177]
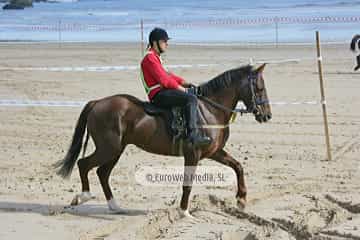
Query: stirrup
[200, 141]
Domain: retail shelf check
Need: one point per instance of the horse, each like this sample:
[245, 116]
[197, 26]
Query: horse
[353, 44]
[116, 121]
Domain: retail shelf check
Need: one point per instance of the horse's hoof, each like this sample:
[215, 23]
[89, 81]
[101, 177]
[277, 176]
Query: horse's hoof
[186, 214]
[114, 208]
[118, 210]
[81, 198]
[75, 201]
[241, 202]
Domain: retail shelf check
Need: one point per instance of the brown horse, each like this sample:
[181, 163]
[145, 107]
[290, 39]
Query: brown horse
[116, 121]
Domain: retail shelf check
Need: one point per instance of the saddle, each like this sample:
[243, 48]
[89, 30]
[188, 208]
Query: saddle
[175, 121]
[174, 117]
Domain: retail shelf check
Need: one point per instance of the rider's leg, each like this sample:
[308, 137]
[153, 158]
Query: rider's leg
[192, 116]
[171, 97]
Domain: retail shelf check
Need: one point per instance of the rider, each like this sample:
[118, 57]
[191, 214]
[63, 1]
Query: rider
[165, 89]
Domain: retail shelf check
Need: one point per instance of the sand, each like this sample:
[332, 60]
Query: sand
[293, 192]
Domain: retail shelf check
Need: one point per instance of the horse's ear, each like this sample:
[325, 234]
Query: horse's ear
[261, 68]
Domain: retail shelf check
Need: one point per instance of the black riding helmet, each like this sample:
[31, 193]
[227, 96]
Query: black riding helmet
[156, 35]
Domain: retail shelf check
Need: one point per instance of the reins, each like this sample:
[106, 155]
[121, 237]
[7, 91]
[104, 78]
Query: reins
[233, 112]
[222, 107]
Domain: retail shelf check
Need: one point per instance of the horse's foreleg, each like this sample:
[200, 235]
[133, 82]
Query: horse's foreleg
[223, 157]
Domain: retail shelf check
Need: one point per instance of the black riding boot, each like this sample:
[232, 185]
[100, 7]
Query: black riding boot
[195, 138]
[358, 63]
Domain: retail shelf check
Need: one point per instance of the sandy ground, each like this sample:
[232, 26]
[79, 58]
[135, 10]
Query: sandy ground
[293, 192]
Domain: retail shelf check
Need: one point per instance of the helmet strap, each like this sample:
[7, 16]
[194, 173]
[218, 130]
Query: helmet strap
[158, 46]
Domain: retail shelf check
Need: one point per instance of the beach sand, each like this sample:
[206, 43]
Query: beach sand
[293, 192]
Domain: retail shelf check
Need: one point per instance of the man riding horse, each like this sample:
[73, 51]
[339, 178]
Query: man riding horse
[167, 90]
[115, 122]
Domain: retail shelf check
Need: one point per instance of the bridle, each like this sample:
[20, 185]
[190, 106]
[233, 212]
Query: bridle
[256, 101]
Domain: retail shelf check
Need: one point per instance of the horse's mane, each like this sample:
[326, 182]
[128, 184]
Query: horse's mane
[224, 80]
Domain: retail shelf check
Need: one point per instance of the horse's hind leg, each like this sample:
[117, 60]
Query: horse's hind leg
[191, 161]
[103, 173]
[85, 165]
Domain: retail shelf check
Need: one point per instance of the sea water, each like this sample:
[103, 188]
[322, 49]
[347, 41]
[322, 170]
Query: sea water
[191, 21]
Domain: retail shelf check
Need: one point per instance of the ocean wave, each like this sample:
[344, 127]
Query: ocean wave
[62, 1]
[319, 4]
[108, 14]
[328, 4]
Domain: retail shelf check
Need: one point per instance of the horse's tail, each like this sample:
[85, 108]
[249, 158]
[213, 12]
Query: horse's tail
[85, 144]
[353, 42]
[66, 165]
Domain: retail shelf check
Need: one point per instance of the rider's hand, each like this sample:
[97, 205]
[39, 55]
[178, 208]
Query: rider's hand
[188, 84]
[191, 90]
[181, 88]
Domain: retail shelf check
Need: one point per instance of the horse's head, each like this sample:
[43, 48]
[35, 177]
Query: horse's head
[244, 84]
[253, 94]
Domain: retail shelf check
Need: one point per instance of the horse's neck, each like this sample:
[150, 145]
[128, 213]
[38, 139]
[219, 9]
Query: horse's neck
[228, 99]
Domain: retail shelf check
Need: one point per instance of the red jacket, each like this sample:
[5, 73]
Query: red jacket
[155, 77]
